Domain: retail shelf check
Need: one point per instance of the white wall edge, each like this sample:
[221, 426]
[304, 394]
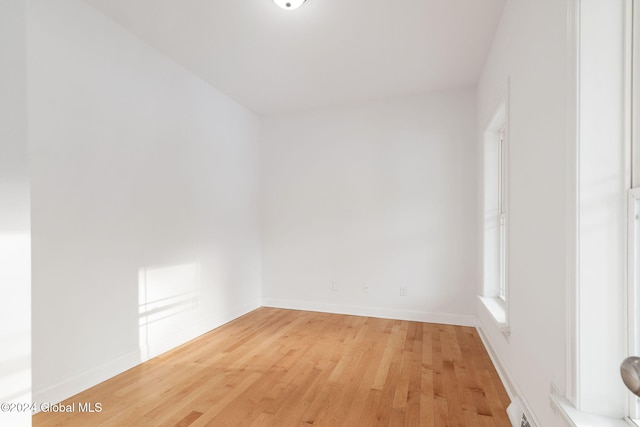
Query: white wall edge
[383, 313]
[70, 387]
[507, 379]
[572, 362]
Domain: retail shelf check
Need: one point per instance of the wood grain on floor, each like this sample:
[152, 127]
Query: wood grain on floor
[275, 367]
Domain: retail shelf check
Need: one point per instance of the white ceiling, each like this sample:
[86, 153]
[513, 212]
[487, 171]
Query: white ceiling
[327, 52]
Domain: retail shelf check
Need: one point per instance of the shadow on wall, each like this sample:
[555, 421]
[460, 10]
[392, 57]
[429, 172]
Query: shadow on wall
[169, 307]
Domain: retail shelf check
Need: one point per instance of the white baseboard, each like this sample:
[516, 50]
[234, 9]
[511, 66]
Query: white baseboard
[383, 313]
[70, 387]
[199, 328]
[507, 380]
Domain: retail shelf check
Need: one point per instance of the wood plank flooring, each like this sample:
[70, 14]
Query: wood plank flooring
[276, 367]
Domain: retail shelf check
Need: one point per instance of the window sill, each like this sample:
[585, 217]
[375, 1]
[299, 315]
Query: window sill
[498, 310]
[576, 418]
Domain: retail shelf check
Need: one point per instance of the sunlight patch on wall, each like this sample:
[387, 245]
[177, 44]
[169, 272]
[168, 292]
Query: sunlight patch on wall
[169, 307]
[15, 333]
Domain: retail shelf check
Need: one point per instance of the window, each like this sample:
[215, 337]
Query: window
[495, 265]
[633, 218]
[502, 213]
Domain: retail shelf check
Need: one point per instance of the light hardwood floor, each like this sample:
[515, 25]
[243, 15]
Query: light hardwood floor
[276, 367]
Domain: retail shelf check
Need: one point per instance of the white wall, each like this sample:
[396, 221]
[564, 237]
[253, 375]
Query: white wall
[15, 282]
[604, 179]
[530, 48]
[380, 194]
[145, 201]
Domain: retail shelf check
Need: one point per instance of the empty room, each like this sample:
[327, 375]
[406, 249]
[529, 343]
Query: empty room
[319, 212]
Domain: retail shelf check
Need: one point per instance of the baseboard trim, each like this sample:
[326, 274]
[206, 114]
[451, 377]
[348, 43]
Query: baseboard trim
[383, 313]
[512, 388]
[200, 328]
[70, 387]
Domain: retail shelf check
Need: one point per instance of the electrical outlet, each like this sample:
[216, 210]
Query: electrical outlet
[403, 291]
[334, 287]
[365, 288]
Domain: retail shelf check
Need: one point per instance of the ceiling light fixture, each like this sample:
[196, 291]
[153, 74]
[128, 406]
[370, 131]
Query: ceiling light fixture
[289, 4]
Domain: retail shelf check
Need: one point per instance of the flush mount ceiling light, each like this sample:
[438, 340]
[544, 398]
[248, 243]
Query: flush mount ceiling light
[289, 4]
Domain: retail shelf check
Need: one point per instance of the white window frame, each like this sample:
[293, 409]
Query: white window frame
[495, 295]
[502, 210]
[633, 211]
[633, 291]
